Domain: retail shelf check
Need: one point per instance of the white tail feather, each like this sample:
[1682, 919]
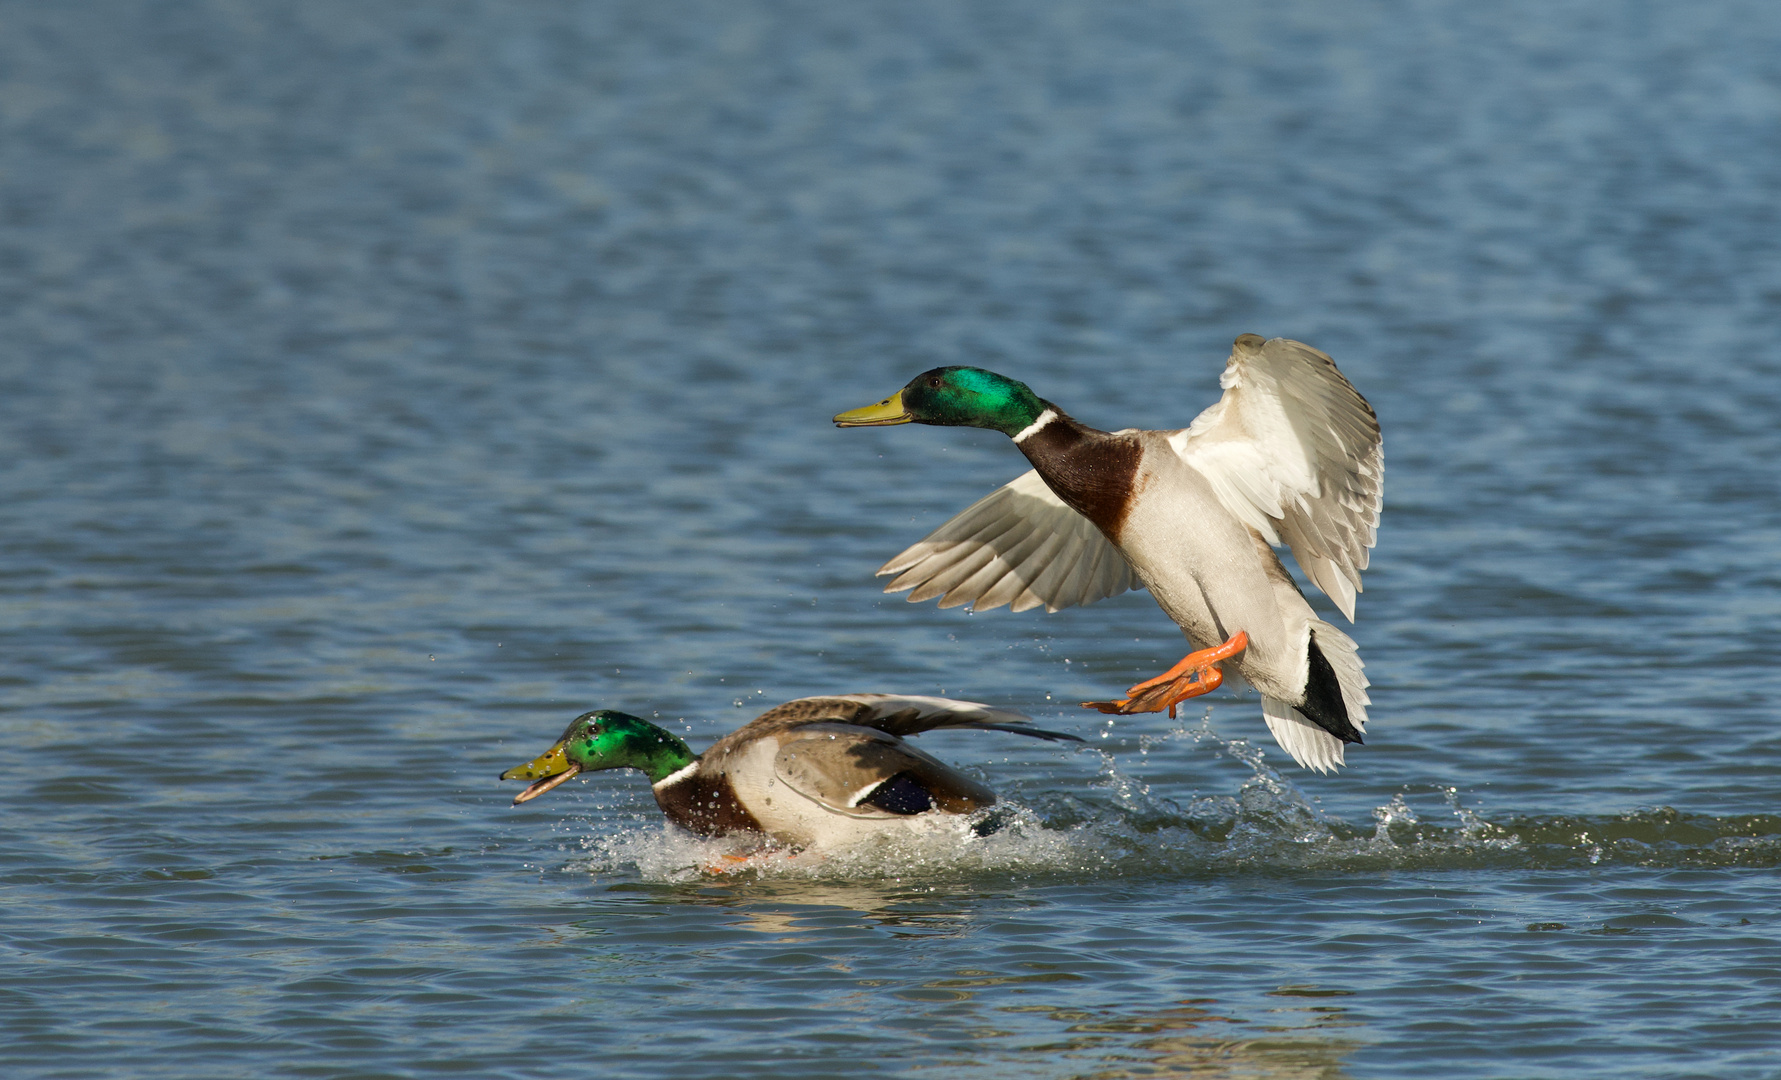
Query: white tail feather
[1310, 745]
[1344, 657]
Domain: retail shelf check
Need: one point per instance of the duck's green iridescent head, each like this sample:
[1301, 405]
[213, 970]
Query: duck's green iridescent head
[954, 397]
[603, 740]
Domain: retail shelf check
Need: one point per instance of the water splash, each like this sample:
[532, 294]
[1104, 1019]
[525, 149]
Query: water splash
[1120, 826]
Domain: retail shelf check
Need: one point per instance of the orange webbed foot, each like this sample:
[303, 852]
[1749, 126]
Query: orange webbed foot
[1197, 673]
[731, 864]
[740, 862]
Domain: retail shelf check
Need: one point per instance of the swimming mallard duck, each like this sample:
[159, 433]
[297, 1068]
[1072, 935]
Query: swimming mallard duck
[1290, 453]
[816, 772]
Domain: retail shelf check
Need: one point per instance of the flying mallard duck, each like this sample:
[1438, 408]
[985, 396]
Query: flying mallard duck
[1290, 453]
[816, 772]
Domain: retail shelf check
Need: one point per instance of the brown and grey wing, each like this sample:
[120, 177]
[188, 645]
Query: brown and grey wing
[896, 714]
[1018, 545]
[863, 772]
[1293, 450]
[911, 714]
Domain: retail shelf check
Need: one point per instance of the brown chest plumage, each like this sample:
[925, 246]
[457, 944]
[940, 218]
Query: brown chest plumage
[706, 806]
[1094, 472]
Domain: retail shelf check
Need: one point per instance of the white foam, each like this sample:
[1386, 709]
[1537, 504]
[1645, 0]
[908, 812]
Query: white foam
[1112, 825]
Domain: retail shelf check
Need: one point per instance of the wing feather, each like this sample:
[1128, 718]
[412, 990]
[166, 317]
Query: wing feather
[1018, 545]
[839, 766]
[1293, 451]
[902, 715]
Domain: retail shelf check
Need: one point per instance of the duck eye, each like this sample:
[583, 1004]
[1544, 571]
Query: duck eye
[934, 382]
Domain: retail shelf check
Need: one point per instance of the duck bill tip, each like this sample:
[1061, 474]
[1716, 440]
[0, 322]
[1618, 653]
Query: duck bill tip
[541, 786]
[884, 414]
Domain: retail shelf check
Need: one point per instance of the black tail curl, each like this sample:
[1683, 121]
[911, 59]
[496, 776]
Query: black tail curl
[1323, 699]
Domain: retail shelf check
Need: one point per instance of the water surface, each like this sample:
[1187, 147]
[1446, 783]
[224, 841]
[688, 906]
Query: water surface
[384, 385]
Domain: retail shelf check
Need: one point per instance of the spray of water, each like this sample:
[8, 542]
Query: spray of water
[1119, 827]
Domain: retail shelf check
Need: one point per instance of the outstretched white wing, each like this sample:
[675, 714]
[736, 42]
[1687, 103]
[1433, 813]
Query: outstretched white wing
[1018, 545]
[1293, 451]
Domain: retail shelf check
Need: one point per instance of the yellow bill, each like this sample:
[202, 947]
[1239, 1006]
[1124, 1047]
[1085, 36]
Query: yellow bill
[549, 769]
[886, 412]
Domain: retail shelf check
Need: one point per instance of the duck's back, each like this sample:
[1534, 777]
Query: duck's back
[826, 772]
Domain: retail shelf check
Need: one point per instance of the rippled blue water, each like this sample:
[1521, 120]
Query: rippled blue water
[385, 384]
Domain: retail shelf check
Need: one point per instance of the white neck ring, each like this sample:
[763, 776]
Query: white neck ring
[1045, 417]
[676, 776]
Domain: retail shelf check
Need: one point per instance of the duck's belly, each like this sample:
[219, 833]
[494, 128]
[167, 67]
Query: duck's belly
[822, 829]
[1213, 576]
